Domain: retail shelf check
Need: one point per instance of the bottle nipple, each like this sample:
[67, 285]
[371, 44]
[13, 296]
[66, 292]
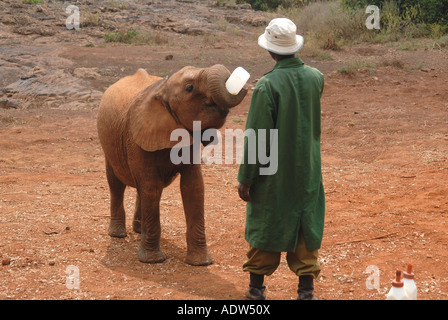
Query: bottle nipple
[397, 283]
[408, 274]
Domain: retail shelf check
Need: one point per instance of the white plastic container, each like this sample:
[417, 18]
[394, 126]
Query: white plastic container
[397, 291]
[237, 80]
[409, 284]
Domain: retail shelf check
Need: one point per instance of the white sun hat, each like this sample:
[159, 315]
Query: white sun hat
[280, 37]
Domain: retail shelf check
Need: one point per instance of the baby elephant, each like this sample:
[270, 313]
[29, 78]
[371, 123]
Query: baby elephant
[135, 119]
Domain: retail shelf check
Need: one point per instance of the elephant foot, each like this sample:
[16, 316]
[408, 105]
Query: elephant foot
[136, 226]
[151, 256]
[117, 228]
[199, 257]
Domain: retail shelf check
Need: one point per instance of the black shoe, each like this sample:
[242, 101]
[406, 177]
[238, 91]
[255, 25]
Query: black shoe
[256, 293]
[306, 288]
[307, 297]
[256, 287]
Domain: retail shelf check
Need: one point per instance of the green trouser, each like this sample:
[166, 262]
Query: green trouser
[302, 262]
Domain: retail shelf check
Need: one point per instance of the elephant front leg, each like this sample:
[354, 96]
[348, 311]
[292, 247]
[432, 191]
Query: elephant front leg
[192, 189]
[149, 251]
[117, 225]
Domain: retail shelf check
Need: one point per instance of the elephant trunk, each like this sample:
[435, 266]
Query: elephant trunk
[217, 76]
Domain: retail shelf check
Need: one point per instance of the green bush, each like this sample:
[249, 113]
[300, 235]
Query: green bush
[329, 25]
[32, 1]
[137, 37]
[429, 11]
[272, 5]
[263, 5]
[121, 36]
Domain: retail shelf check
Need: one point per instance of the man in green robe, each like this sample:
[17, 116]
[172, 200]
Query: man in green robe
[285, 197]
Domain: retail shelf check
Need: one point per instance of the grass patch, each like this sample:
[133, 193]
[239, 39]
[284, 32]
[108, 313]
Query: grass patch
[412, 45]
[90, 19]
[32, 1]
[418, 67]
[209, 39]
[222, 24]
[316, 53]
[442, 42]
[10, 120]
[355, 67]
[121, 36]
[394, 62]
[133, 36]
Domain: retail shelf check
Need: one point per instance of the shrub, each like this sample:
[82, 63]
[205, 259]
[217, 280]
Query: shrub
[32, 1]
[121, 36]
[357, 66]
[442, 42]
[271, 5]
[331, 24]
[263, 5]
[326, 23]
[132, 36]
[429, 11]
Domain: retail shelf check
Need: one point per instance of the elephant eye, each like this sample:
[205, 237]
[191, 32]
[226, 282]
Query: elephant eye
[190, 88]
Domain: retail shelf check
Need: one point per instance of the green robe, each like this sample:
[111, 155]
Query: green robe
[287, 99]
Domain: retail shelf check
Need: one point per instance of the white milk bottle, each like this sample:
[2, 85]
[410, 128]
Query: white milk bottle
[237, 80]
[397, 291]
[409, 284]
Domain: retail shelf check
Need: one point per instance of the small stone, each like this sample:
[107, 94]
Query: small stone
[6, 261]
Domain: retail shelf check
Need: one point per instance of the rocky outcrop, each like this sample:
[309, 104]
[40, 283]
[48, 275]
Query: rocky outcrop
[31, 34]
[197, 17]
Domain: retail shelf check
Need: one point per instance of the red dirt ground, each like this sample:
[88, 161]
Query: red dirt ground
[385, 168]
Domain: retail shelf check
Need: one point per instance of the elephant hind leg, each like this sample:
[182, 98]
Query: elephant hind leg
[117, 226]
[136, 223]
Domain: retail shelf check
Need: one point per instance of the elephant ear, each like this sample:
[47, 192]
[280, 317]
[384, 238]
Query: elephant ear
[151, 124]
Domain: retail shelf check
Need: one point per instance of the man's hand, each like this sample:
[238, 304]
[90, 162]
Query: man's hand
[243, 192]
